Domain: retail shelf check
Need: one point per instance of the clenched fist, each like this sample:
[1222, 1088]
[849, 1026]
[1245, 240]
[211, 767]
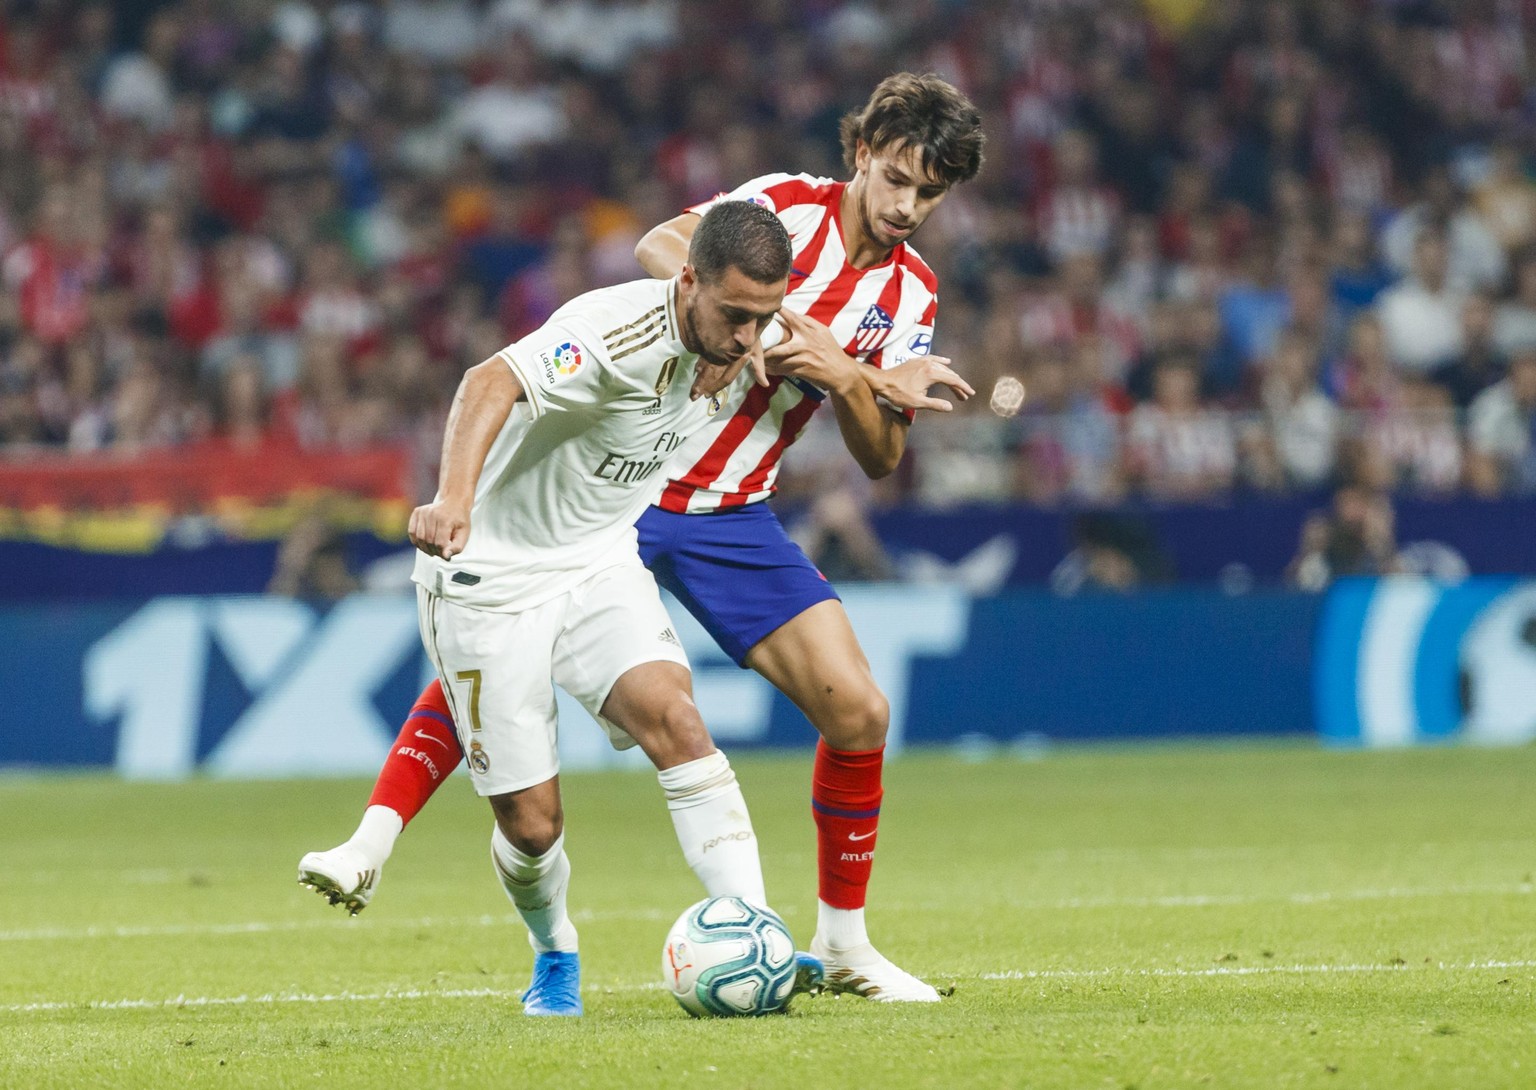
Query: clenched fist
[440, 528]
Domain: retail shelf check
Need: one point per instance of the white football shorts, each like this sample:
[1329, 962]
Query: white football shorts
[497, 668]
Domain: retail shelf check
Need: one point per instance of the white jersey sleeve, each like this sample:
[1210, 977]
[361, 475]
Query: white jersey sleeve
[562, 366]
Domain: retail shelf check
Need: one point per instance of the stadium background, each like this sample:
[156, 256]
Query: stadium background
[1268, 500]
[1266, 273]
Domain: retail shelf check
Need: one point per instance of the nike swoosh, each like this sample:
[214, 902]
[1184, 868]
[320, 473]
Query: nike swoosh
[856, 836]
[431, 738]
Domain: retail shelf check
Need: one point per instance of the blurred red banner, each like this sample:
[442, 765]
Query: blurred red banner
[199, 477]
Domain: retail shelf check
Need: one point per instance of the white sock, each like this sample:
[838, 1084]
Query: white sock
[840, 928]
[536, 884]
[714, 828]
[376, 834]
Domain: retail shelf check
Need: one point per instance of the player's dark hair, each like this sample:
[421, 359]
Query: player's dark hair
[920, 111]
[742, 235]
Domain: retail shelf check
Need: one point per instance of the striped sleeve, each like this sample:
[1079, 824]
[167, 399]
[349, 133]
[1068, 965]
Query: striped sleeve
[775, 192]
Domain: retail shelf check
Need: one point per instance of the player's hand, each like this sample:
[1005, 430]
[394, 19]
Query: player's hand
[906, 386]
[809, 351]
[756, 362]
[440, 528]
[710, 378]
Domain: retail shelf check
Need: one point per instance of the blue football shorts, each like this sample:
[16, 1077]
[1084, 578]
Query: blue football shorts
[735, 570]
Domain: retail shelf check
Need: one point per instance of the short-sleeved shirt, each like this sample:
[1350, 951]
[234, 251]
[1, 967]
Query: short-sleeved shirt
[605, 409]
[883, 315]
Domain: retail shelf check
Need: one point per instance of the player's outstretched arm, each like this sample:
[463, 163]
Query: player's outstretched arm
[876, 438]
[906, 386]
[480, 410]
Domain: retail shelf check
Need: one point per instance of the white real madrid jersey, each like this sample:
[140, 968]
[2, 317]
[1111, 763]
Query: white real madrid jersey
[606, 384]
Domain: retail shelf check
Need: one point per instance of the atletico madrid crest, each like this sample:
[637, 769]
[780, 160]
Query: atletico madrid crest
[872, 330]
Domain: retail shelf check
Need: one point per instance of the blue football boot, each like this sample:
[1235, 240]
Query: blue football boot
[556, 987]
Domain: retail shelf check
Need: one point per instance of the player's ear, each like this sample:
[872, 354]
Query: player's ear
[688, 277]
[861, 157]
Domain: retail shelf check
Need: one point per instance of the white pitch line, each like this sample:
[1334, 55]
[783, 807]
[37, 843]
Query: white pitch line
[181, 1001]
[1250, 970]
[1193, 900]
[1201, 900]
[407, 994]
[331, 921]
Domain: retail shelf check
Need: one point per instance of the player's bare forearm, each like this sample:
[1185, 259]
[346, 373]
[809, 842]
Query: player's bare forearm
[480, 410]
[663, 251]
[875, 436]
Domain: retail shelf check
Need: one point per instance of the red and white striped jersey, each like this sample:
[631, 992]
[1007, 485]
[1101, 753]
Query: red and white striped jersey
[882, 315]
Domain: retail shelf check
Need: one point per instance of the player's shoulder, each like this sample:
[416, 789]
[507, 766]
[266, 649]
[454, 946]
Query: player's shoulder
[782, 191]
[605, 312]
[912, 261]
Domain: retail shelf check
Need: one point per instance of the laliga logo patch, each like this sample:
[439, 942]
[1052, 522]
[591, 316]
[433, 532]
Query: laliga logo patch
[561, 362]
[568, 358]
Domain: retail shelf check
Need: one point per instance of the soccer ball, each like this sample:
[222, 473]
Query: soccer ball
[725, 956]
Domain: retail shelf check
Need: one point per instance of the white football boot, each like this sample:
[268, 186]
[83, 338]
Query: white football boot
[343, 876]
[864, 971]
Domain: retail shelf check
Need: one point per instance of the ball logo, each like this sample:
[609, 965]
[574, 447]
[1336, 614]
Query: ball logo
[567, 359]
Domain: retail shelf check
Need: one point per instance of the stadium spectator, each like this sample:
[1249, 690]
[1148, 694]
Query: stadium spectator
[1472, 257]
[1421, 316]
[194, 186]
[1479, 364]
[1297, 445]
[1358, 275]
[1506, 199]
[1356, 537]
[1514, 323]
[1501, 455]
[1178, 449]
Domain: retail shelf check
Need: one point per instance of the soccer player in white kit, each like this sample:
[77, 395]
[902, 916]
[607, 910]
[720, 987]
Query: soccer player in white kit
[529, 572]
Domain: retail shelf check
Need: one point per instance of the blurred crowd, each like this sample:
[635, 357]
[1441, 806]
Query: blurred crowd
[1284, 246]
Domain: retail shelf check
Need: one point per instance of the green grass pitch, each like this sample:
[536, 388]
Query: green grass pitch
[1269, 916]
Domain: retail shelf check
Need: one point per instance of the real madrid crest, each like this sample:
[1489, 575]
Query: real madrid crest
[479, 760]
[714, 405]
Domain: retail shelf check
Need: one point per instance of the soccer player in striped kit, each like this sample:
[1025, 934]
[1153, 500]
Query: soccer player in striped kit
[859, 315]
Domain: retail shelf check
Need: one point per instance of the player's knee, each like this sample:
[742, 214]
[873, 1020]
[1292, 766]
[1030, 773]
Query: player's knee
[680, 732]
[536, 835]
[858, 722]
[531, 830]
[685, 726]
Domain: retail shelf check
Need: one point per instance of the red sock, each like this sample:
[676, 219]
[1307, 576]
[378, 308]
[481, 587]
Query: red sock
[421, 758]
[845, 800]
